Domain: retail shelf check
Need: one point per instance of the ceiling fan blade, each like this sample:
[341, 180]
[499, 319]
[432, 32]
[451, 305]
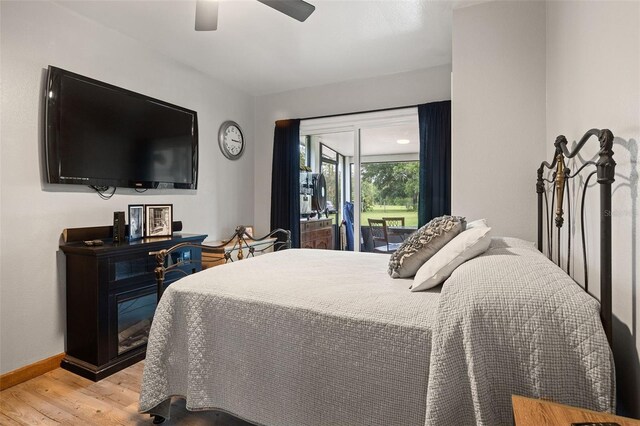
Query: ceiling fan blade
[206, 15]
[297, 9]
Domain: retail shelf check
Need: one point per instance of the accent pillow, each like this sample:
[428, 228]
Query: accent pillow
[465, 246]
[477, 224]
[422, 244]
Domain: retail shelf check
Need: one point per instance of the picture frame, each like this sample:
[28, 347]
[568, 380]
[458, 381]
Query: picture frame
[158, 220]
[249, 230]
[136, 222]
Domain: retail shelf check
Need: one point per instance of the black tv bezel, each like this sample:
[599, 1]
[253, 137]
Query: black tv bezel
[51, 133]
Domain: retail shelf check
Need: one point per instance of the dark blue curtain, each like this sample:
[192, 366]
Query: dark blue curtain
[435, 160]
[285, 179]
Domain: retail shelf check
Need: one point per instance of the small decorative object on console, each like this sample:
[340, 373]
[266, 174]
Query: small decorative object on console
[118, 227]
[136, 221]
[158, 220]
[248, 229]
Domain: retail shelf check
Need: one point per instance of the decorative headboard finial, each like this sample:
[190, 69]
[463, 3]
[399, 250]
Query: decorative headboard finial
[606, 164]
[560, 179]
[560, 140]
[539, 182]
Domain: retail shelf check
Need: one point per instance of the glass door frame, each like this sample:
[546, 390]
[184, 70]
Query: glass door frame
[355, 123]
[340, 159]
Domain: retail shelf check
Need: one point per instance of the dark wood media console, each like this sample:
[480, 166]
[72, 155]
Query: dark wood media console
[111, 299]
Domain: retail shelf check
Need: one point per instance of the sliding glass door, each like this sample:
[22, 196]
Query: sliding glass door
[325, 154]
[370, 164]
[389, 171]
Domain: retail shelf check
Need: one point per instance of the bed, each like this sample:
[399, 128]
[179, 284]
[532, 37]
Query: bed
[311, 337]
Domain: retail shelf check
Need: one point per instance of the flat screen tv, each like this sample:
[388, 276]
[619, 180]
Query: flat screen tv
[101, 135]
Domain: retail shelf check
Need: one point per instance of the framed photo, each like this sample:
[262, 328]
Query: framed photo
[136, 221]
[248, 229]
[157, 220]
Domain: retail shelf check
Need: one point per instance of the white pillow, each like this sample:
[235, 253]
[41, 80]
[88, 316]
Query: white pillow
[466, 245]
[480, 223]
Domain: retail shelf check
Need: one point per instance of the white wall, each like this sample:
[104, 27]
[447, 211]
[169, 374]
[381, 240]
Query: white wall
[33, 214]
[405, 89]
[498, 113]
[523, 73]
[593, 80]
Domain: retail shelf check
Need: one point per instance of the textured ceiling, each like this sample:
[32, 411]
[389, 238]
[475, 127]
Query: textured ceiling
[262, 51]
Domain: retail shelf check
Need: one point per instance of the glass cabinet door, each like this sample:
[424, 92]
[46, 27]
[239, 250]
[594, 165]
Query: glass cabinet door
[134, 314]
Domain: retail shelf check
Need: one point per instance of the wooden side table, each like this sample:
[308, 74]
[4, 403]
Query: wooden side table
[538, 412]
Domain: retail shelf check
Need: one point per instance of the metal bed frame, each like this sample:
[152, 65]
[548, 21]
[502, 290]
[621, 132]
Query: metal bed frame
[560, 175]
[558, 183]
[239, 241]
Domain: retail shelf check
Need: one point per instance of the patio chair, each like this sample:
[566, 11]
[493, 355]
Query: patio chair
[379, 236]
[395, 222]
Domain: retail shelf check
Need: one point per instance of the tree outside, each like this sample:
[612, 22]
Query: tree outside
[391, 183]
[329, 172]
[390, 189]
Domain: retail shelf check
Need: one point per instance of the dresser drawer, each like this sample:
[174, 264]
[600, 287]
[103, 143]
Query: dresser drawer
[316, 234]
[312, 225]
[323, 233]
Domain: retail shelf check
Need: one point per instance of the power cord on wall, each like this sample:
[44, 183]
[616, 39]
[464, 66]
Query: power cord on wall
[102, 191]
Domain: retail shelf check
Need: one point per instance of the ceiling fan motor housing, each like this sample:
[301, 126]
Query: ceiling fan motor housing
[207, 11]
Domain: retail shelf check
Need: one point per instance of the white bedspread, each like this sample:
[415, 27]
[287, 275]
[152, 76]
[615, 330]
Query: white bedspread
[512, 322]
[305, 337]
[297, 337]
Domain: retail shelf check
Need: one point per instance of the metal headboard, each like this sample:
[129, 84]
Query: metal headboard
[240, 240]
[560, 176]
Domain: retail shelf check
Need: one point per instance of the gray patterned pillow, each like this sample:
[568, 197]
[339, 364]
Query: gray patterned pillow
[423, 244]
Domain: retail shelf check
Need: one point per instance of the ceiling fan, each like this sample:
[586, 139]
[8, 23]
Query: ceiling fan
[207, 11]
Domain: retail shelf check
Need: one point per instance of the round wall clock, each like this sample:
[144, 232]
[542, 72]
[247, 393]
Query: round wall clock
[231, 140]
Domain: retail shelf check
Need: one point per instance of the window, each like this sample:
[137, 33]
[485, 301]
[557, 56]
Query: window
[304, 149]
[329, 168]
[390, 189]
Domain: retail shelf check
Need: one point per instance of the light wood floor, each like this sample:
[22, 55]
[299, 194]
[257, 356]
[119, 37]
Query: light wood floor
[61, 397]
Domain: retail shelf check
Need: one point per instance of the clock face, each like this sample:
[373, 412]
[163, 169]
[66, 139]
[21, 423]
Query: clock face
[231, 140]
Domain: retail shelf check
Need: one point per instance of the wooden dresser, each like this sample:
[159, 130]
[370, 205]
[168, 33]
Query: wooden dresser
[316, 234]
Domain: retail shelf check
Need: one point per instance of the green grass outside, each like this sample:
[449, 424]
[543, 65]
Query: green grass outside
[378, 212]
